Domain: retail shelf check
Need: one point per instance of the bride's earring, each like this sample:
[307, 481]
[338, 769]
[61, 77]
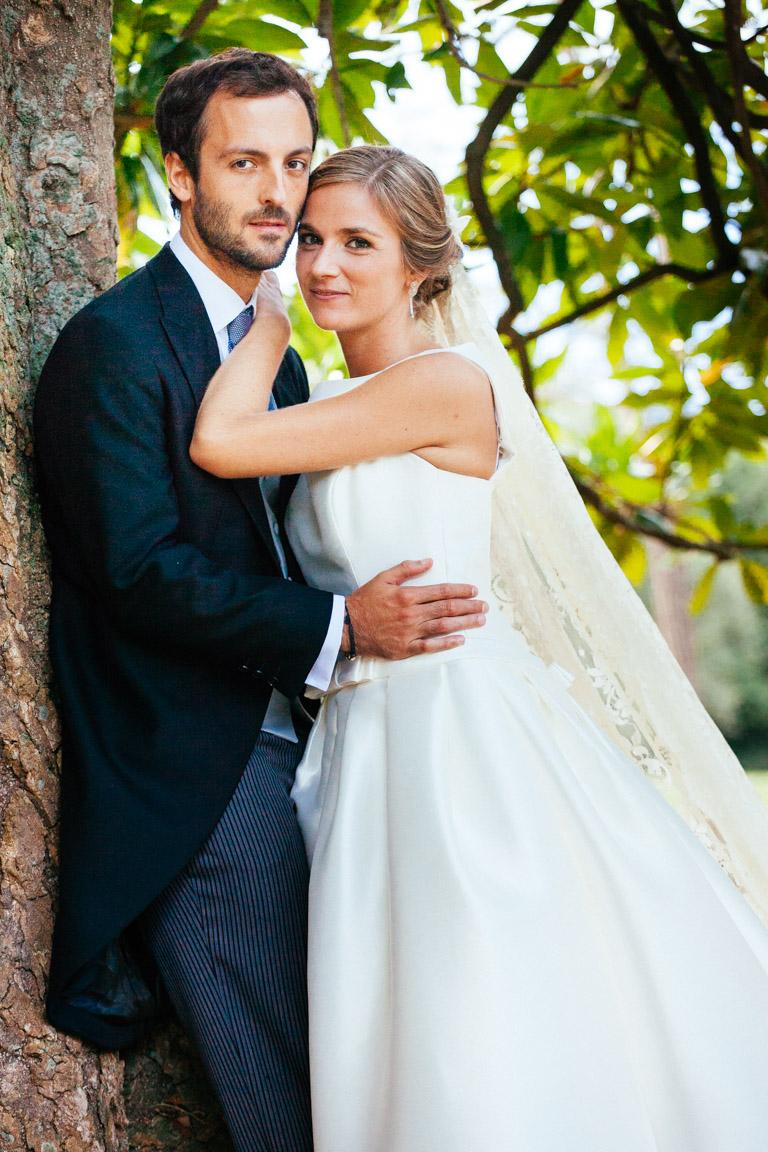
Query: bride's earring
[413, 288]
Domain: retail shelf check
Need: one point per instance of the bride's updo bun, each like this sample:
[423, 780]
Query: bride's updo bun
[409, 194]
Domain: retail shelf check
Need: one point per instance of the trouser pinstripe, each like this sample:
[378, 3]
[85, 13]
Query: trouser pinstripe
[229, 935]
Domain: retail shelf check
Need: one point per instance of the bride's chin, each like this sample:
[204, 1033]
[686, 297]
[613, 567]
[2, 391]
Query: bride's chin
[323, 325]
[330, 323]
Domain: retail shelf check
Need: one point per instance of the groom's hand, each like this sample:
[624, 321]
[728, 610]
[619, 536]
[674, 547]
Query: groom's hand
[394, 622]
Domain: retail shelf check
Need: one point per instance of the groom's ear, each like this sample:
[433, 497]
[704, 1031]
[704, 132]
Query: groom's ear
[179, 178]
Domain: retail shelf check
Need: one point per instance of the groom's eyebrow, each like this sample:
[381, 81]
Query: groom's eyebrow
[259, 155]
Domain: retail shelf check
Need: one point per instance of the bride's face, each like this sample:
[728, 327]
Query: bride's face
[349, 260]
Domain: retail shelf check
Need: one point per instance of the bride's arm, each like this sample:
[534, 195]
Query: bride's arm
[432, 401]
[241, 387]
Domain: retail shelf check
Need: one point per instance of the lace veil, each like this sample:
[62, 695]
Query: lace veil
[558, 583]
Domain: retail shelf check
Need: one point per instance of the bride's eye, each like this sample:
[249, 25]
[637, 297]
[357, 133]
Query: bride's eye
[359, 242]
[309, 239]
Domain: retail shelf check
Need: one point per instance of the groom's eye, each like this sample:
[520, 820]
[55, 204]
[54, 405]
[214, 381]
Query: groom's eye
[242, 165]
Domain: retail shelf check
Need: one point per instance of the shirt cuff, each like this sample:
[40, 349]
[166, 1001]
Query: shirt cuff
[320, 674]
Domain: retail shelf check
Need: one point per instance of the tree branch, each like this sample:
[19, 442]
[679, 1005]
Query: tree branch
[325, 28]
[725, 108]
[198, 18]
[453, 40]
[518, 344]
[635, 520]
[754, 75]
[126, 122]
[736, 58]
[691, 275]
[666, 74]
[718, 99]
[478, 149]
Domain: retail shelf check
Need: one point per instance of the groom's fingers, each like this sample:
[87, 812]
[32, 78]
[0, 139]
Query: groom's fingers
[445, 599]
[444, 623]
[442, 594]
[434, 609]
[439, 635]
[436, 644]
[394, 620]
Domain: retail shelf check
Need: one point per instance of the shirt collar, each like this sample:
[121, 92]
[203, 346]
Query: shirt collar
[221, 302]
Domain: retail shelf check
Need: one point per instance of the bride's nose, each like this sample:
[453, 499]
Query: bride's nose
[326, 261]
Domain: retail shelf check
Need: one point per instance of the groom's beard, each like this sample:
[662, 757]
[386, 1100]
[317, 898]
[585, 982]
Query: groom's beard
[212, 220]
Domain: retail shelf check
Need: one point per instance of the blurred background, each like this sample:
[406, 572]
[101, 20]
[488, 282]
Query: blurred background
[608, 162]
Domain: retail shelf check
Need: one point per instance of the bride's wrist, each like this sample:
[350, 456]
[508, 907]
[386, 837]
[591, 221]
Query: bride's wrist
[270, 330]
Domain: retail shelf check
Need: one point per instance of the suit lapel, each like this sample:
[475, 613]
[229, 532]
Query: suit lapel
[185, 322]
[189, 332]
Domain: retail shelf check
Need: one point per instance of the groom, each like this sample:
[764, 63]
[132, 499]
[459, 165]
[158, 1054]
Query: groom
[182, 633]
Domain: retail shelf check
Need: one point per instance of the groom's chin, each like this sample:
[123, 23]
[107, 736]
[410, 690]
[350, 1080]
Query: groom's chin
[266, 257]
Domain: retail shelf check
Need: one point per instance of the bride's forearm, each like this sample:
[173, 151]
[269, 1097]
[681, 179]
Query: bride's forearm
[243, 383]
[238, 390]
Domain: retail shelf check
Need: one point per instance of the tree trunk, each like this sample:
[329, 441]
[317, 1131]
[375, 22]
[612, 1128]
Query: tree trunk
[670, 591]
[57, 250]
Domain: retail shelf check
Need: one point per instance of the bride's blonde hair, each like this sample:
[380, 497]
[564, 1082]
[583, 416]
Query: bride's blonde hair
[409, 195]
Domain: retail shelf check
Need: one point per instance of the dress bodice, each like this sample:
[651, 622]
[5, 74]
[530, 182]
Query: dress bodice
[348, 524]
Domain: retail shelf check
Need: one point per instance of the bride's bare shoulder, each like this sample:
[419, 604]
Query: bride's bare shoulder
[444, 375]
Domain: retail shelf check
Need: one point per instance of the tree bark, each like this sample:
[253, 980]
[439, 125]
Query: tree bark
[57, 248]
[58, 244]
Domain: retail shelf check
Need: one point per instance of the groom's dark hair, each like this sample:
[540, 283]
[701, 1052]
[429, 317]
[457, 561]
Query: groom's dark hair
[180, 108]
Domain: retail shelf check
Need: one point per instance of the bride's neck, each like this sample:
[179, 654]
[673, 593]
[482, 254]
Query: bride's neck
[376, 347]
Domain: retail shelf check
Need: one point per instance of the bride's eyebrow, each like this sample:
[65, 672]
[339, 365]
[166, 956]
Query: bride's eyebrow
[357, 229]
[307, 226]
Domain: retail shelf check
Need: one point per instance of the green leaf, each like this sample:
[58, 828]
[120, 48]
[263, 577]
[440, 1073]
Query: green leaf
[396, 78]
[517, 231]
[755, 579]
[560, 253]
[346, 12]
[704, 301]
[263, 36]
[722, 514]
[703, 589]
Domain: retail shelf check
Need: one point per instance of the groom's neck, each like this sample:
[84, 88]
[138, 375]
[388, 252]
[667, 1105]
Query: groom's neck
[241, 280]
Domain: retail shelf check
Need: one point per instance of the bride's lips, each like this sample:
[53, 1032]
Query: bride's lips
[326, 294]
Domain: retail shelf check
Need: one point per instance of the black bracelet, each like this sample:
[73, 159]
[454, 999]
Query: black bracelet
[352, 651]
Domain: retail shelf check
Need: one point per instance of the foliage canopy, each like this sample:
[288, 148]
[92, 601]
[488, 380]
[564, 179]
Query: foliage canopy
[621, 162]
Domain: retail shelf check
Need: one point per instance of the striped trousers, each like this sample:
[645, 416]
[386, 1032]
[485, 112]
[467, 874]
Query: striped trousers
[229, 935]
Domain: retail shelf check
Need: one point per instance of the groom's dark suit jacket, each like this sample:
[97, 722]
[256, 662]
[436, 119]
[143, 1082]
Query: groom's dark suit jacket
[170, 621]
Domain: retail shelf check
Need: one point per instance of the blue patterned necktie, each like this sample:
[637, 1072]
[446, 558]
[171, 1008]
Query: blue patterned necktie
[270, 485]
[238, 327]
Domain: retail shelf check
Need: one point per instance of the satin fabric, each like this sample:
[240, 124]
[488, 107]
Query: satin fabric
[516, 945]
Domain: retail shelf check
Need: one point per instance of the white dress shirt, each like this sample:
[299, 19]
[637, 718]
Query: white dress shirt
[222, 305]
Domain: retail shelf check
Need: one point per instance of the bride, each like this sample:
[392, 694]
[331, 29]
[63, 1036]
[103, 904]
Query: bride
[517, 944]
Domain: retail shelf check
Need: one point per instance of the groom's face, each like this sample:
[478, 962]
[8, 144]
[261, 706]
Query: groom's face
[252, 179]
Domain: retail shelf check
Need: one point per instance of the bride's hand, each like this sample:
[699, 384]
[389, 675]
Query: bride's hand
[271, 314]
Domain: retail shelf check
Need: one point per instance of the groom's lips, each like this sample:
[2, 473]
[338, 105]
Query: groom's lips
[268, 225]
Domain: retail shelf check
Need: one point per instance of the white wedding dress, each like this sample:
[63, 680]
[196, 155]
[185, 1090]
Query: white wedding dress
[515, 944]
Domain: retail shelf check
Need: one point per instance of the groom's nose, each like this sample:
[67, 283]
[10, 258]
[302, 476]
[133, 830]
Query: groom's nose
[272, 188]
